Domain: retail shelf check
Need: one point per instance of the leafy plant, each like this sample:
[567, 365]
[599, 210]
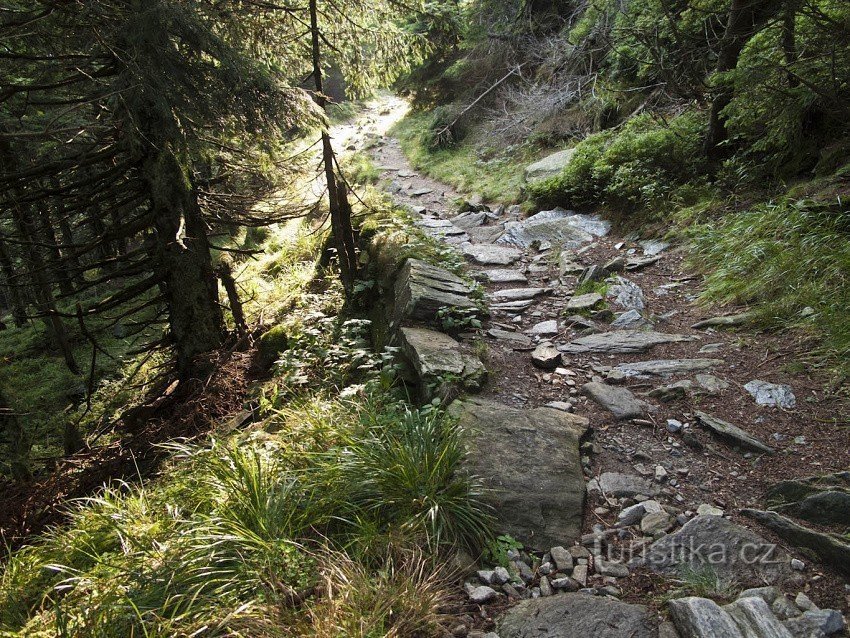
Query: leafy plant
[459, 319]
[498, 549]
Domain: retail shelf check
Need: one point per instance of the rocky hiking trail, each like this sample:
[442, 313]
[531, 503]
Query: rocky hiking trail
[625, 431]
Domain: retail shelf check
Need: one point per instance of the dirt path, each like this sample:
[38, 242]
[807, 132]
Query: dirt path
[664, 443]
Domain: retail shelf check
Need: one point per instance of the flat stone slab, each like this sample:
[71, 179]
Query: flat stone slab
[435, 357]
[541, 504]
[772, 394]
[502, 276]
[623, 485]
[622, 341]
[666, 367]
[734, 553]
[830, 549]
[559, 227]
[732, 434]
[491, 255]
[421, 290]
[518, 294]
[514, 307]
[544, 328]
[618, 401]
[584, 302]
[442, 229]
[518, 338]
[579, 616]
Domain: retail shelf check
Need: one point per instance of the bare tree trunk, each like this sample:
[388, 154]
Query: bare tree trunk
[226, 275]
[183, 253]
[745, 19]
[789, 39]
[13, 286]
[340, 209]
[73, 260]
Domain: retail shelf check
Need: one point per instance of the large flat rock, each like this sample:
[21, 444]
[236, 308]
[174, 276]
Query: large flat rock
[622, 342]
[667, 367]
[530, 460]
[560, 227]
[702, 618]
[421, 290]
[617, 400]
[577, 616]
[732, 552]
[491, 255]
[439, 362]
[549, 166]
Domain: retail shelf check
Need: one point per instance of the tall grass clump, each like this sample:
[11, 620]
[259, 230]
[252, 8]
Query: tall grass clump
[790, 259]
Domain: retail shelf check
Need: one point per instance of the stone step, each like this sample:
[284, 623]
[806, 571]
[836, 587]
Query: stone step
[530, 461]
[422, 290]
[622, 342]
[442, 369]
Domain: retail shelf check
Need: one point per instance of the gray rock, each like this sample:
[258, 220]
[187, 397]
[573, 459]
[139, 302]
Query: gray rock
[518, 294]
[709, 510]
[613, 569]
[563, 559]
[784, 608]
[711, 384]
[755, 618]
[667, 367]
[560, 227]
[638, 263]
[436, 357]
[656, 523]
[620, 485]
[469, 219]
[519, 338]
[550, 166]
[584, 302]
[419, 192]
[546, 357]
[820, 499]
[621, 342]
[631, 320]
[631, 515]
[560, 405]
[672, 392]
[618, 401]
[732, 434]
[617, 264]
[652, 247]
[544, 329]
[422, 290]
[580, 574]
[733, 552]
[486, 234]
[772, 394]
[482, 594]
[826, 621]
[590, 275]
[702, 618]
[568, 266]
[545, 587]
[830, 549]
[627, 294]
[566, 583]
[767, 594]
[503, 276]
[491, 255]
[501, 575]
[539, 504]
[577, 615]
[513, 307]
[442, 229]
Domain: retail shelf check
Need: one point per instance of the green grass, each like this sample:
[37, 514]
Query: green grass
[499, 179]
[790, 261]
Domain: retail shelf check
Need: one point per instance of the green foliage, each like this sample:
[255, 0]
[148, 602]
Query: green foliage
[359, 169]
[497, 549]
[638, 168]
[455, 320]
[783, 257]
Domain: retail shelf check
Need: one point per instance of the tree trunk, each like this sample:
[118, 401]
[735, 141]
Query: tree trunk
[42, 288]
[71, 256]
[745, 19]
[19, 445]
[183, 253]
[226, 275]
[58, 268]
[340, 209]
[789, 39]
[13, 286]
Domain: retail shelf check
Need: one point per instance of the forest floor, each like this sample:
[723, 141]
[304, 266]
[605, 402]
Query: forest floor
[809, 439]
